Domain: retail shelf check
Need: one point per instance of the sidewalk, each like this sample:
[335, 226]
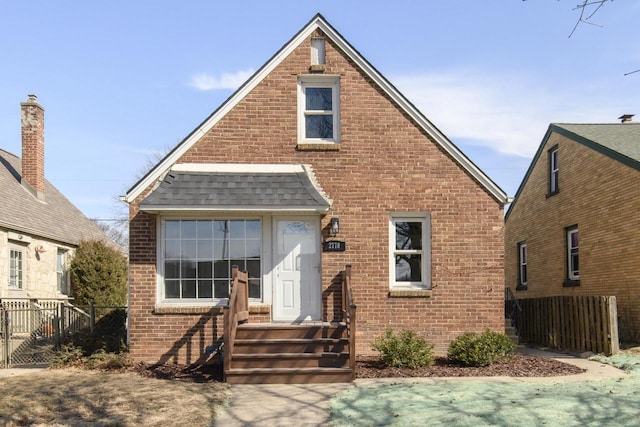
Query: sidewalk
[308, 404]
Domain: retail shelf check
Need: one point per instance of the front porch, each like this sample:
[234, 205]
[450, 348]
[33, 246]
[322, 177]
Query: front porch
[304, 352]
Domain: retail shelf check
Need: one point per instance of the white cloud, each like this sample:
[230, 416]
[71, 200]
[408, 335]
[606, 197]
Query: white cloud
[204, 81]
[508, 113]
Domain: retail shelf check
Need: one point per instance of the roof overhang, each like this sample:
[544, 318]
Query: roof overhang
[237, 188]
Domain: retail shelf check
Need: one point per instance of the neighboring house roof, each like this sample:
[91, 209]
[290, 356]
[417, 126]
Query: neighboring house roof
[54, 218]
[619, 141]
[237, 187]
[318, 22]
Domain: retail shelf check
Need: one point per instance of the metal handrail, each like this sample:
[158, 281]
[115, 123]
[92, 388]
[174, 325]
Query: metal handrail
[513, 309]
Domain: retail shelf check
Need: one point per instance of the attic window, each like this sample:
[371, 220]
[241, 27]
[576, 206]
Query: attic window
[319, 110]
[317, 51]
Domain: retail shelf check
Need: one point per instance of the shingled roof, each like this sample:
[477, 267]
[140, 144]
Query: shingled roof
[238, 187]
[54, 218]
[619, 141]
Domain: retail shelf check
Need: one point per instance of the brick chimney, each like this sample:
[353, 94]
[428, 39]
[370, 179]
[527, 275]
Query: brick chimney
[32, 119]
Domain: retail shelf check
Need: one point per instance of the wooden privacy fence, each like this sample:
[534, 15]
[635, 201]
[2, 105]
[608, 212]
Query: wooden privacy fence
[572, 323]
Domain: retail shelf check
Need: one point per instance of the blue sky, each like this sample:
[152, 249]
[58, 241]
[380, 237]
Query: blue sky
[122, 82]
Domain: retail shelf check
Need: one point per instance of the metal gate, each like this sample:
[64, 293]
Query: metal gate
[28, 333]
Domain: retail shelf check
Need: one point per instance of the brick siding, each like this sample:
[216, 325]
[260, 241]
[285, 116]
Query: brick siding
[597, 194]
[385, 165]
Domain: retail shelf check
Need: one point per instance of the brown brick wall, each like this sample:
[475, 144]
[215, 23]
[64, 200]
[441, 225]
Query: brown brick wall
[596, 193]
[385, 164]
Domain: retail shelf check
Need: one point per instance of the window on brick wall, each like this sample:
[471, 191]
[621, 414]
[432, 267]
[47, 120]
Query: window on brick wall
[553, 171]
[410, 251]
[522, 265]
[197, 257]
[319, 109]
[573, 258]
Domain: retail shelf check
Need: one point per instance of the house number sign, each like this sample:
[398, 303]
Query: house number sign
[334, 246]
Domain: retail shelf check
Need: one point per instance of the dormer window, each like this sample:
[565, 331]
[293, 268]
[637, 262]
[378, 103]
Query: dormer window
[319, 110]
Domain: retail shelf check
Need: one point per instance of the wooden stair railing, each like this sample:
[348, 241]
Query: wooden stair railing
[235, 312]
[315, 352]
[349, 317]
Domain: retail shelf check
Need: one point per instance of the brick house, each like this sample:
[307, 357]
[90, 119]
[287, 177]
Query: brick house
[316, 162]
[570, 228]
[39, 227]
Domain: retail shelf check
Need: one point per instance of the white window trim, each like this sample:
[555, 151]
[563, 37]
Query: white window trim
[23, 259]
[329, 81]
[65, 275]
[265, 257]
[570, 273]
[553, 170]
[425, 219]
[522, 262]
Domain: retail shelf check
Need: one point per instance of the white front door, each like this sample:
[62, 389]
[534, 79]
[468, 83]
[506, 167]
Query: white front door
[296, 258]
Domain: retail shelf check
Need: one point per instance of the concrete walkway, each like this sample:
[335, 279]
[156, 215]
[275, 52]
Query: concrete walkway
[308, 404]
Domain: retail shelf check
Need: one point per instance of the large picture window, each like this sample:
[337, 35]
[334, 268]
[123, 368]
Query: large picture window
[199, 254]
[318, 109]
[410, 252]
[16, 268]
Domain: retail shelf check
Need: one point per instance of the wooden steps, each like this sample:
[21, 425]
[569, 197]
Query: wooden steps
[289, 354]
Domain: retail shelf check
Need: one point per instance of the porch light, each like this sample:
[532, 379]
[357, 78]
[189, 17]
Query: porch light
[335, 226]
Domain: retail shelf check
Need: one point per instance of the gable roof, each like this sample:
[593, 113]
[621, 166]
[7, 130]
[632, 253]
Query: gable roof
[55, 218]
[237, 187]
[318, 22]
[619, 141]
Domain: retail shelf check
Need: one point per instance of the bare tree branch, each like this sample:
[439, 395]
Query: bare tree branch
[583, 7]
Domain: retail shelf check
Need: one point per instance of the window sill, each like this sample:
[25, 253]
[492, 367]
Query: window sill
[522, 287]
[218, 309]
[410, 293]
[553, 193]
[317, 146]
[175, 309]
[570, 283]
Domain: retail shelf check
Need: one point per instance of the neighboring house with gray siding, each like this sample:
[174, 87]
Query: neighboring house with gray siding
[39, 227]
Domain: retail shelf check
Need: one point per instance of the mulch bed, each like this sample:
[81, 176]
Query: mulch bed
[371, 367]
[517, 365]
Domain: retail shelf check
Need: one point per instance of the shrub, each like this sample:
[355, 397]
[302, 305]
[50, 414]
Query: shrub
[104, 361]
[404, 350]
[72, 356]
[98, 274]
[472, 349]
[109, 334]
[68, 355]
